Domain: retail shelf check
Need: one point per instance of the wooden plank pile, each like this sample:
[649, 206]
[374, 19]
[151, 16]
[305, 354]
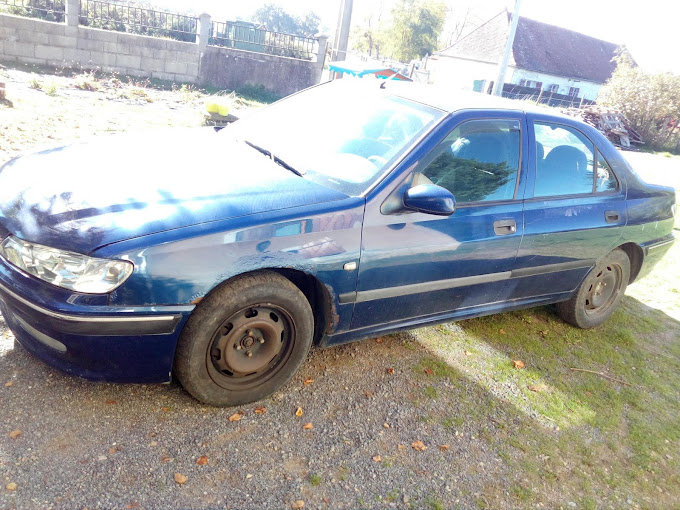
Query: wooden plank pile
[610, 122]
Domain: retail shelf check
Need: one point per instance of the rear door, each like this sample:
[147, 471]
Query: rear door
[574, 211]
[417, 265]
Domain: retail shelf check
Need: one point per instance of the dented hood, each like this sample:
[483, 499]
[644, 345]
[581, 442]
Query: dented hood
[87, 195]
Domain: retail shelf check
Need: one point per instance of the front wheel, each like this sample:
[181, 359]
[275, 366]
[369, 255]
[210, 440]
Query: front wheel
[599, 294]
[245, 340]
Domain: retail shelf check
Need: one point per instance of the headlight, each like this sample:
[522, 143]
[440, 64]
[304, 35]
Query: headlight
[66, 269]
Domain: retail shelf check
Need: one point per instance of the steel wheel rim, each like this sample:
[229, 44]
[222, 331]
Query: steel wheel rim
[250, 346]
[603, 290]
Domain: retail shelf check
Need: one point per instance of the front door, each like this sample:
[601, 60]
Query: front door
[417, 265]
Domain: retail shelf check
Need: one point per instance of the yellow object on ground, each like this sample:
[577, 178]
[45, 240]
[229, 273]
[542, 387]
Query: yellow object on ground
[220, 107]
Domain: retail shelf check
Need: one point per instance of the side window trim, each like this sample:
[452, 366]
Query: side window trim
[521, 123]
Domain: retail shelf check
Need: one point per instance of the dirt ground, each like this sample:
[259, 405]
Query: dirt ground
[437, 418]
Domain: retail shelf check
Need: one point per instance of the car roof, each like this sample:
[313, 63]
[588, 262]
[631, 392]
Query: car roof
[447, 99]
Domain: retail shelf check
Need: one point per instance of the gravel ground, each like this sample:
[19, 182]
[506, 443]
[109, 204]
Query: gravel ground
[119, 446]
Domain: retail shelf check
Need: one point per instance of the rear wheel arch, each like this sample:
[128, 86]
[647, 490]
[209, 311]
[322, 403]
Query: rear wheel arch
[636, 257]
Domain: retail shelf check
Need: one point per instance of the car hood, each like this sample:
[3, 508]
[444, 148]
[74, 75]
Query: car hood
[87, 195]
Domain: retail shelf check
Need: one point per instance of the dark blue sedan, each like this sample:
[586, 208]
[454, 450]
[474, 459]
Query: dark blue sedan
[347, 211]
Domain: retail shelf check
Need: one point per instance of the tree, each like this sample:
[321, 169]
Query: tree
[276, 19]
[651, 102]
[415, 28]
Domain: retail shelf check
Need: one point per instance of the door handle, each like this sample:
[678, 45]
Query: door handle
[504, 227]
[611, 216]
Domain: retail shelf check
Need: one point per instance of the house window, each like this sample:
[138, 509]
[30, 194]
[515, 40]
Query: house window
[522, 82]
[554, 88]
[532, 84]
[573, 91]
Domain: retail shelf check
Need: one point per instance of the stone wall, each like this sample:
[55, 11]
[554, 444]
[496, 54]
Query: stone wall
[44, 43]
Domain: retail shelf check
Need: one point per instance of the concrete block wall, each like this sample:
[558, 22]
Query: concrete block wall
[44, 43]
[33, 41]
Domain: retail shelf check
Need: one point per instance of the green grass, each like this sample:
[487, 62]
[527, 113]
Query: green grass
[315, 480]
[591, 436]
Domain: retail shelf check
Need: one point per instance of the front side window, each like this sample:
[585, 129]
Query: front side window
[478, 161]
[564, 161]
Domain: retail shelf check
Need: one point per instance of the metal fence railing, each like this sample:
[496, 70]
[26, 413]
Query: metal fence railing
[49, 10]
[137, 20]
[248, 36]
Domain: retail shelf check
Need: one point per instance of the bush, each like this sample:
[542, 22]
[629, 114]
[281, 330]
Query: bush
[651, 102]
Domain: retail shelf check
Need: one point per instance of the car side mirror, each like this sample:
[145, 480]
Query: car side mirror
[430, 199]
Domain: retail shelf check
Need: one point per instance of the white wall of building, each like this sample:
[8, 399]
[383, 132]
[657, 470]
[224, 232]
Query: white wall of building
[461, 73]
[587, 89]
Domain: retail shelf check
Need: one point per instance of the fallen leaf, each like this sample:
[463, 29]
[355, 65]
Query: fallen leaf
[401, 446]
[501, 331]
[444, 447]
[110, 402]
[235, 417]
[112, 450]
[165, 458]
[538, 388]
[298, 505]
[377, 458]
[15, 434]
[202, 461]
[132, 505]
[418, 446]
[260, 410]
[379, 340]
[152, 434]
[9, 383]
[180, 478]
[165, 409]
[249, 476]
[308, 380]
[308, 426]
[429, 371]
[368, 393]
[389, 370]
[298, 413]
[11, 486]
[468, 353]
[544, 333]
[386, 425]
[518, 363]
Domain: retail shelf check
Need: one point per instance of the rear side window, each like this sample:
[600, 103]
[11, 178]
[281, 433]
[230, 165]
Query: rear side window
[606, 180]
[564, 161]
[478, 161]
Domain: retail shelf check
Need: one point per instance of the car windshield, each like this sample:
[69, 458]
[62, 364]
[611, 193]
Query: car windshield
[341, 136]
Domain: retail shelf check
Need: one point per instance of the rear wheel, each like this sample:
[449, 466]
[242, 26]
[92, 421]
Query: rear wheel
[599, 294]
[245, 340]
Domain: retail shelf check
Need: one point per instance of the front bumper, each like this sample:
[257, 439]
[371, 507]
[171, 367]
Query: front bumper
[94, 341]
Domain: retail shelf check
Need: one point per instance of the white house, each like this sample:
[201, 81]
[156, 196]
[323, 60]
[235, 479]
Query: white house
[544, 57]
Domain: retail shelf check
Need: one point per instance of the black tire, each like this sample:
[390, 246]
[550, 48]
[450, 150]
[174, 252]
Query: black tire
[245, 340]
[599, 294]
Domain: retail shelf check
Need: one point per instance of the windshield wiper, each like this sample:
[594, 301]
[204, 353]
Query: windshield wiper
[275, 158]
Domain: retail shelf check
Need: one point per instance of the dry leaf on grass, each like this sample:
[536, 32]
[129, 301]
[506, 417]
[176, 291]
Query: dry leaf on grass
[389, 370]
[165, 458]
[468, 353]
[518, 363]
[377, 458]
[429, 371]
[538, 388]
[308, 380]
[9, 383]
[260, 410]
[202, 461]
[15, 434]
[418, 446]
[379, 340]
[11, 486]
[110, 402]
[444, 447]
[298, 505]
[134, 504]
[298, 413]
[180, 478]
[501, 331]
[401, 447]
[386, 425]
[308, 426]
[165, 409]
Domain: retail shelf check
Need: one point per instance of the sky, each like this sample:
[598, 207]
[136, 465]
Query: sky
[648, 28]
